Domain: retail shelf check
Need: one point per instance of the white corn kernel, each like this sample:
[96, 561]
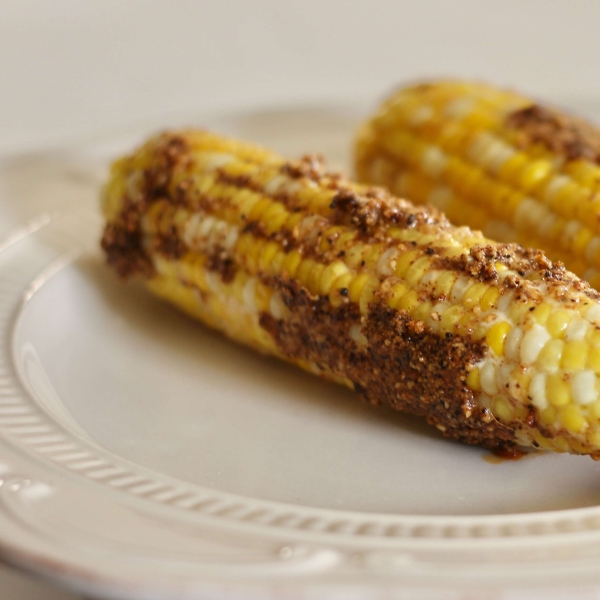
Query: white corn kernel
[532, 343]
[583, 387]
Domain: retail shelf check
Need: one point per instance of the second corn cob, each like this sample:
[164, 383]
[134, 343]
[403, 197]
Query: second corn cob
[492, 344]
[495, 161]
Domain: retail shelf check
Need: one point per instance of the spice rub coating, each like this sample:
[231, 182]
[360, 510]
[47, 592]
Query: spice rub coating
[353, 283]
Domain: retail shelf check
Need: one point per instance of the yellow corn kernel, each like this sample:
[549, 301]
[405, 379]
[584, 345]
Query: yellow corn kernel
[404, 261]
[534, 174]
[331, 273]
[304, 271]
[561, 444]
[314, 278]
[473, 379]
[474, 294]
[593, 359]
[259, 209]
[574, 356]
[417, 270]
[572, 419]
[557, 322]
[262, 297]
[557, 390]
[450, 318]
[266, 257]
[594, 409]
[409, 301]
[502, 409]
[356, 286]
[444, 283]
[355, 255]
[550, 356]
[549, 416]
[368, 294]
[397, 291]
[254, 253]
[422, 311]
[338, 292]
[496, 336]
[291, 263]
[541, 313]
[489, 299]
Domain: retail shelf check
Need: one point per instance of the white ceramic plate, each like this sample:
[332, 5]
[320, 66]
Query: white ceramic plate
[143, 455]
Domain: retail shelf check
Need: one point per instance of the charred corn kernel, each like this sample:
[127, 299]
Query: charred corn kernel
[338, 275]
[496, 336]
[574, 356]
[500, 162]
[572, 418]
[557, 390]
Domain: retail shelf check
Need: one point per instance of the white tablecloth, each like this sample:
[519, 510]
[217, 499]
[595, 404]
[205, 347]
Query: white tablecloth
[69, 68]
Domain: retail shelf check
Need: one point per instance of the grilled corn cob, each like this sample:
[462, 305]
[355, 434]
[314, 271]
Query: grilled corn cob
[493, 344]
[494, 161]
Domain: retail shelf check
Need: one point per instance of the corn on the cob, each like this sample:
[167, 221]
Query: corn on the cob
[491, 343]
[494, 161]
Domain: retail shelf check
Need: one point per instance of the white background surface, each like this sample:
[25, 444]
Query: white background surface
[69, 68]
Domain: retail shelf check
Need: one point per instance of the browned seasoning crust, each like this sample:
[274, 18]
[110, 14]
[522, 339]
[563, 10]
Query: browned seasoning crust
[405, 365]
[567, 135]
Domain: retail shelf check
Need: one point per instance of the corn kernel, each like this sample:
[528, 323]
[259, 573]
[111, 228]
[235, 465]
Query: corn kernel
[404, 262]
[541, 313]
[367, 294]
[496, 337]
[489, 299]
[574, 356]
[314, 278]
[474, 294]
[450, 318]
[331, 273]
[266, 257]
[534, 174]
[557, 390]
[409, 301]
[396, 293]
[549, 416]
[557, 323]
[595, 409]
[550, 356]
[473, 379]
[304, 271]
[502, 409]
[356, 286]
[417, 270]
[444, 284]
[422, 311]
[572, 418]
[291, 263]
